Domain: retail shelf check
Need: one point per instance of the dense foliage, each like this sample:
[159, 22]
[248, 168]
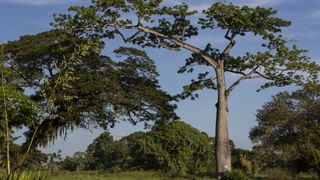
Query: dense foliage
[37, 160]
[287, 134]
[75, 86]
[175, 147]
[105, 153]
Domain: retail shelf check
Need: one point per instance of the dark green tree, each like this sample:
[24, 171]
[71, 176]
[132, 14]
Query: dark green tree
[102, 152]
[75, 163]
[175, 147]
[36, 161]
[288, 131]
[155, 25]
[77, 87]
[106, 153]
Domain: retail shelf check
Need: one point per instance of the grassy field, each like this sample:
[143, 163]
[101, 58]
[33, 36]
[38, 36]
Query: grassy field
[149, 175]
[133, 175]
[145, 175]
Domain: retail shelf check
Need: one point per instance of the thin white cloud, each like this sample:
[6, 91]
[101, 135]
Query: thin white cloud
[198, 7]
[302, 34]
[255, 3]
[316, 13]
[36, 2]
[172, 2]
[252, 3]
[205, 5]
[315, 59]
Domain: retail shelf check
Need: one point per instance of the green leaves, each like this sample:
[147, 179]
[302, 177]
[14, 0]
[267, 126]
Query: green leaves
[76, 87]
[107, 19]
[181, 27]
[242, 20]
[175, 147]
[202, 82]
[21, 110]
[154, 25]
[288, 130]
[142, 98]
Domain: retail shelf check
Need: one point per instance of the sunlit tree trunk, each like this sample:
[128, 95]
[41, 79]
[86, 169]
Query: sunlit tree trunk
[222, 147]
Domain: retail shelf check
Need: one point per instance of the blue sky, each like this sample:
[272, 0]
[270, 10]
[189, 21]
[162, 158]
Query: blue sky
[20, 17]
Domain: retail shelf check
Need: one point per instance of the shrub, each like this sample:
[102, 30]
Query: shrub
[278, 174]
[176, 148]
[236, 175]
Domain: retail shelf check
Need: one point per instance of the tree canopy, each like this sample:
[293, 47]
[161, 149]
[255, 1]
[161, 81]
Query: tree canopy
[175, 147]
[157, 25]
[287, 134]
[75, 86]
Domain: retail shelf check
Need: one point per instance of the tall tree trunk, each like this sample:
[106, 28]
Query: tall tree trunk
[223, 154]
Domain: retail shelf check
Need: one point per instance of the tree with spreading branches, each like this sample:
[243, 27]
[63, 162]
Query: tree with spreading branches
[74, 86]
[150, 23]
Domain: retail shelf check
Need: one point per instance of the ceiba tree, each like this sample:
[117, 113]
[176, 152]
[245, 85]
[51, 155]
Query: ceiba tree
[149, 23]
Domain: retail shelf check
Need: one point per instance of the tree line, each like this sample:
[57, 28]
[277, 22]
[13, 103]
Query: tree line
[286, 137]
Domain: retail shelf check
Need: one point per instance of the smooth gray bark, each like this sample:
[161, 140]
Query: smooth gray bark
[223, 153]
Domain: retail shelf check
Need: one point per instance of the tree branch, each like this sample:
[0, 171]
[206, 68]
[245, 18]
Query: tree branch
[227, 50]
[24, 78]
[236, 72]
[129, 39]
[236, 83]
[181, 44]
[264, 76]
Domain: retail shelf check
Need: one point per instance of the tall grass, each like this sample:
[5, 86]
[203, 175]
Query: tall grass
[26, 176]
[126, 175]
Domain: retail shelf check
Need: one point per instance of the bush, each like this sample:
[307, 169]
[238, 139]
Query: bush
[278, 174]
[236, 175]
[176, 148]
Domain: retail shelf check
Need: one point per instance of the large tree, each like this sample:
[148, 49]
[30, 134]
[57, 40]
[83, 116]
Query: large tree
[288, 132]
[175, 147]
[16, 110]
[76, 86]
[153, 24]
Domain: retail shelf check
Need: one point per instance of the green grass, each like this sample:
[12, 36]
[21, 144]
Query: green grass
[145, 175]
[131, 175]
[25, 176]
